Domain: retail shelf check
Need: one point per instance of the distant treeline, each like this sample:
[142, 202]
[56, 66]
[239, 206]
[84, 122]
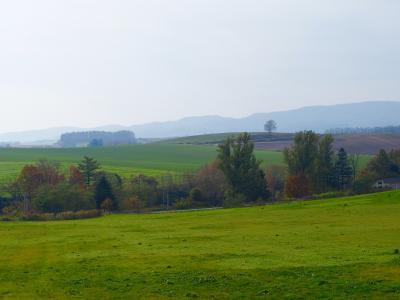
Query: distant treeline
[386, 129]
[97, 138]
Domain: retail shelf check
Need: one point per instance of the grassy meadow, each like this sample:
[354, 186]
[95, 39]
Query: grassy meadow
[151, 159]
[326, 249]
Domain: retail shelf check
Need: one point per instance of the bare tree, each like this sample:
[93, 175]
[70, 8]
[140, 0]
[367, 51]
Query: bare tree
[270, 126]
[354, 160]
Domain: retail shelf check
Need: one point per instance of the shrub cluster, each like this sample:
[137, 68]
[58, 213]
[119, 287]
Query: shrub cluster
[66, 215]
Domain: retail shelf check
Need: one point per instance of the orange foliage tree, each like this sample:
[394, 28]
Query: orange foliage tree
[76, 177]
[297, 186]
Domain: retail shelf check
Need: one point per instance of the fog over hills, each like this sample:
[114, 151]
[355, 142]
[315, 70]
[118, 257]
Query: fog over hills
[317, 118]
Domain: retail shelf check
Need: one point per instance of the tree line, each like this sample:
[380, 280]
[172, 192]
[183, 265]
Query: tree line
[236, 177]
[365, 130]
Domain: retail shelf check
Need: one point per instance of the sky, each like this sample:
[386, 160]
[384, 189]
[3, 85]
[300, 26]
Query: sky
[96, 62]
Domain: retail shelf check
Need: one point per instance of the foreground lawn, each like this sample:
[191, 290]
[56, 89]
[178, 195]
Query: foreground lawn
[341, 249]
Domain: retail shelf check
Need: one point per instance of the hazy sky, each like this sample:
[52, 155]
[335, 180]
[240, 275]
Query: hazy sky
[97, 62]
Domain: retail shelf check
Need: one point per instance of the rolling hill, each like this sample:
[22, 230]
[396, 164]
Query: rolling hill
[317, 118]
[368, 144]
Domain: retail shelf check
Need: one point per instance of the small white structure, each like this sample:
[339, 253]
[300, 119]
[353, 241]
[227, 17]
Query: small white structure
[388, 183]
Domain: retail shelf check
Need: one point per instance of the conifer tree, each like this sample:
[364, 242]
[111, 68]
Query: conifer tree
[343, 171]
[88, 167]
[103, 191]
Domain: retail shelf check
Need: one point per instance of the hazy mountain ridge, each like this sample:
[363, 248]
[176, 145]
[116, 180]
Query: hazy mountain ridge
[317, 118]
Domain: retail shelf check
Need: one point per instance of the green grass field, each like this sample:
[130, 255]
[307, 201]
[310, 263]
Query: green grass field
[327, 249]
[151, 159]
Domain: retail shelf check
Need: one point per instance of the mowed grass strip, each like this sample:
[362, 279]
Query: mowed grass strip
[333, 249]
[151, 159]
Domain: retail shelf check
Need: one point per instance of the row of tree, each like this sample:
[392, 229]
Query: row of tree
[365, 130]
[312, 166]
[234, 178]
[44, 187]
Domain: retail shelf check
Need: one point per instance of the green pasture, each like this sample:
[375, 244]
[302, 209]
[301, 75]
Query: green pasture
[151, 159]
[324, 249]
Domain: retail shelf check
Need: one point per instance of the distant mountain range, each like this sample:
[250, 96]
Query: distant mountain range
[317, 118]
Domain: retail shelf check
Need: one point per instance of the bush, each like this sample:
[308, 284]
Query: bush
[62, 197]
[15, 209]
[195, 195]
[233, 199]
[364, 184]
[4, 202]
[66, 215]
[210, 180]
[297, 187]
[183, 204]
[107, 205]
[132, 204]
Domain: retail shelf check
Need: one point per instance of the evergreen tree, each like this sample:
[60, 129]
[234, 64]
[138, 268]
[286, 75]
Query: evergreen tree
[88, 167]
[103, 191]
[241, 168]
[343, 171]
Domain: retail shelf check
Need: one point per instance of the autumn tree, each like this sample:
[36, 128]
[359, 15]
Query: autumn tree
[210, 180]
[50, 172]
[297, 186]
[28, 181]
[76, 177]
[275, 177]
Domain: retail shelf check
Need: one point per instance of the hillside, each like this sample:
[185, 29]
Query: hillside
[368, 144]
[331, 249]
[317, 118]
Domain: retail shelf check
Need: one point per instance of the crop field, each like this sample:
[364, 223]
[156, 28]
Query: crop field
[333, 249]
[151, 159]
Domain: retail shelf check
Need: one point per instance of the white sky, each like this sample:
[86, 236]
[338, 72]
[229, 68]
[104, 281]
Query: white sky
[97, 62]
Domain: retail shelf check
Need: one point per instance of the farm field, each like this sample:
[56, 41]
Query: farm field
[368, 144]
[151, 159]
[330, 249]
